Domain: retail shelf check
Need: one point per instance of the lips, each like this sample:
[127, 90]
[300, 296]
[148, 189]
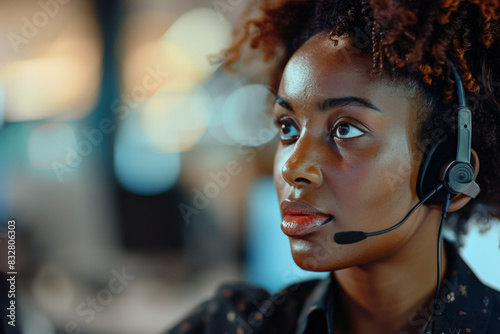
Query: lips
[301, 218]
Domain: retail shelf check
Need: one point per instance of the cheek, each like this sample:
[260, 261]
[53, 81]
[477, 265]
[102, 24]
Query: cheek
[374, 182]
[388, 192]
[399, 169]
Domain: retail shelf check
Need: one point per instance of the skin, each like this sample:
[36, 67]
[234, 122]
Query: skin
[366, 182]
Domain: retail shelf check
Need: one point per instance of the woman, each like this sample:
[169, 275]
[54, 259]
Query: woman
[365, 91]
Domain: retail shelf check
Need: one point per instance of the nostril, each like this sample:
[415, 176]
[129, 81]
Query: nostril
[301, 179]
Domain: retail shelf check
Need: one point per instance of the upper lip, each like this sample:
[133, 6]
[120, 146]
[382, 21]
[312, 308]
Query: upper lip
[300, 208]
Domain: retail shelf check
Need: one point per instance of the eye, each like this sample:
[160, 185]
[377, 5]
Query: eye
[345, 130]
[288, 130]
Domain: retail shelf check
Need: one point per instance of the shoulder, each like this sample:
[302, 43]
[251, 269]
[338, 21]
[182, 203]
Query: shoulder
[493, 297]
[477, 305]
[466, 304]
[242, 308]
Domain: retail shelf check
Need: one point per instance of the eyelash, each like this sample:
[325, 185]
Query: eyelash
[283, 120]
[351, 123]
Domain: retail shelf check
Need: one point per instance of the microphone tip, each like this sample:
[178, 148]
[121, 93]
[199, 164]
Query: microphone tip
[349, 237]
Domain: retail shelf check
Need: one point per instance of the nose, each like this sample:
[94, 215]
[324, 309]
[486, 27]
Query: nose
[302, 169]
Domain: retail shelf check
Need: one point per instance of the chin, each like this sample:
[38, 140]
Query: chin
[313, 256]
[320, 254]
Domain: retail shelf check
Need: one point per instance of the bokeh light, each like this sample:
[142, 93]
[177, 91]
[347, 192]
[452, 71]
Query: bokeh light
[246, 115]
[56, 70]
[2, 106]
[175, 121]
[52, 145]
[55, 88]
[190, 42]
[139, 166]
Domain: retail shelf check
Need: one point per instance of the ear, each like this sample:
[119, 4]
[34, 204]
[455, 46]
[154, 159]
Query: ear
[460, 200]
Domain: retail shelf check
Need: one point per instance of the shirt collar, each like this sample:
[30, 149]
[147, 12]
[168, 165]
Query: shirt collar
[313, 314]
[464, 304]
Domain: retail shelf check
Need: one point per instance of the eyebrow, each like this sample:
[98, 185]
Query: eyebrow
[332, 103]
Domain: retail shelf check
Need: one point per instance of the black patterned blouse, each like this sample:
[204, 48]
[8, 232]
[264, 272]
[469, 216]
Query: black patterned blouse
[465, 306]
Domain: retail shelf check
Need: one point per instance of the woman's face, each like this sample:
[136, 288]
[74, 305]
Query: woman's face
[345, 159]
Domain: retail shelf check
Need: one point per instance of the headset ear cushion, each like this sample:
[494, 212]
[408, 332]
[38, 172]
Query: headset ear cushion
[436, 157]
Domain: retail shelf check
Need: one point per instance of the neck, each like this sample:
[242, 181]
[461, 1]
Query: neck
[394, 294]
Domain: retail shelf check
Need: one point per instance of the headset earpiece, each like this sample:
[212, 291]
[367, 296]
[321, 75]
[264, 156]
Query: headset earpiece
[448, 160]
[434, 163]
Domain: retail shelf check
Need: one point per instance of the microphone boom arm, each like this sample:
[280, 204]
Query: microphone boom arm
[350, 237]
[439, 187]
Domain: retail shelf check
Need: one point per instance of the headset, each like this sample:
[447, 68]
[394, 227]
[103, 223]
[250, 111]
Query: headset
[445, 170]
[439, 166]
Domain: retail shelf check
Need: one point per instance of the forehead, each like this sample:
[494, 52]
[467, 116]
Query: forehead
[322, 64]
[323, 69]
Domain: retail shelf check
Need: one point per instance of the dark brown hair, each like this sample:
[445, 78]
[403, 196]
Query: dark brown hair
[409, 41]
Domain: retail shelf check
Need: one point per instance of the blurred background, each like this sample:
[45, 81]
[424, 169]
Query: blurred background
[126, 150]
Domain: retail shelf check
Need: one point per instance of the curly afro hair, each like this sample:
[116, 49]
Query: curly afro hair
[410, 41]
